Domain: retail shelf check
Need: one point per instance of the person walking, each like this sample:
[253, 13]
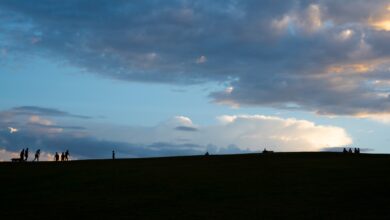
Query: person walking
[37, 153]
[22, 155]
[26, 154]
[67, 155]
[57, 157]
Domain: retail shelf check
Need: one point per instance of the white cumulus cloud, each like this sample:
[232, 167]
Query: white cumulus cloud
[246, 132]
[254, 132]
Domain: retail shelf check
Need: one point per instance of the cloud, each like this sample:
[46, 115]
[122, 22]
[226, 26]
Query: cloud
[39, 121]
[176, 136]
[186, 128]
[38, 111]
[308, 20]
[248, 133]
[62, 127]
[7, 155]
[276, 55]
[12, 130]
[254, 132]
[201, 59]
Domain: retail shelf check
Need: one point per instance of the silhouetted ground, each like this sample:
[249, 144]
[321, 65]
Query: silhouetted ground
[253, 186]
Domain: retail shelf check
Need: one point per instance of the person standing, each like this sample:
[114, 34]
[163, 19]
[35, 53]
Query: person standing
[22, 155]
[26, 154]
[57, 157]
[67, 155]
[37, 153]
[113, 155]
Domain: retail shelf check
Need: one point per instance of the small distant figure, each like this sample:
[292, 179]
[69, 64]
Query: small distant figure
[113, 155]
[350, 150]
[62, 156]
[26, 154]
[22, 155]
[57, 157]
[67, 155]
[356, 151]
[265, 151]
[207, 154]
[345, 151]
[37, 153]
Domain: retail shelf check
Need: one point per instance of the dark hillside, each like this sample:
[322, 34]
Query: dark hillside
[282, 185]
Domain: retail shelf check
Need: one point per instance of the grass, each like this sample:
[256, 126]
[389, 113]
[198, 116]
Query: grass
[251, 186]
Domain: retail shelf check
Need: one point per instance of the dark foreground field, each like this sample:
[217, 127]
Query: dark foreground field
[278, 186]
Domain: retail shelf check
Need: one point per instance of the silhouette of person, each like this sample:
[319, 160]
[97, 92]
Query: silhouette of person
[66, 155]
[345, 151]
[207, 153]
[57, 157]
[113, 155]
[22, 155]
[37, 153]
[350, 150]
[265, 151]
[358, 150]
[26, 154]
[62, 156]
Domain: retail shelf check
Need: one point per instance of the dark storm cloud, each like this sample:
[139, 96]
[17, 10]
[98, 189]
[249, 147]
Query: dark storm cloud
[284, 54]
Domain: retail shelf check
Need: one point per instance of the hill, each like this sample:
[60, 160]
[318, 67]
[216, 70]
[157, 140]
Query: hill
[250, 186]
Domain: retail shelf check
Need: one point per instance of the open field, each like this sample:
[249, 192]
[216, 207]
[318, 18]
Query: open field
[252, 186]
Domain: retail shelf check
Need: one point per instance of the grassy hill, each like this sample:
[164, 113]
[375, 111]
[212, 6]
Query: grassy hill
[251, 186]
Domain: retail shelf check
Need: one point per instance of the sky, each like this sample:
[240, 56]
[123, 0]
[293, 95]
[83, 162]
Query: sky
[152, 78]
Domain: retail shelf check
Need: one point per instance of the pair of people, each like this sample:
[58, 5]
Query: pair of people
[24, 155]
[64, 156]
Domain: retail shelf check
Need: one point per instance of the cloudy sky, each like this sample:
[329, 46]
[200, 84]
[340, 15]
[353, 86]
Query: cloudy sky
[175, 77]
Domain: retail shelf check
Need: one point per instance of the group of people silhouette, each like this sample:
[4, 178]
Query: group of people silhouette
[24, 155]
[355, 151]
[64, 156]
